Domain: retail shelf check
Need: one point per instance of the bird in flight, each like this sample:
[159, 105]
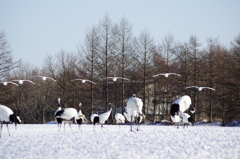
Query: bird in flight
[6, 83]
[166, 74]
[21, 81]
[115, 78]
[45, 78]
[200, 88]
[83, 80]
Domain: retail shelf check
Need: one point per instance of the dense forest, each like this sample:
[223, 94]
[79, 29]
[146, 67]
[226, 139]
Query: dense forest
[111, 50]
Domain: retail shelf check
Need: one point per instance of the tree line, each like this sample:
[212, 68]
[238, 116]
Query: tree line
[110, 49]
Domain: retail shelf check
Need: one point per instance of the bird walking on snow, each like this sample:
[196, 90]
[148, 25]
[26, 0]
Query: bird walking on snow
[101, 118]
[134, 111]
[200, 88]
[83, 80]
[120, 119]
[7, 116]
[81, 117]
[45, 78]
[166, 74]
[66, 115]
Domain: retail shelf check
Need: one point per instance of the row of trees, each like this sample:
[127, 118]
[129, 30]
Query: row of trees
[111, 49]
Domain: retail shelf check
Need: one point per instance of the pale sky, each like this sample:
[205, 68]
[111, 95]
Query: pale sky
[40, 27]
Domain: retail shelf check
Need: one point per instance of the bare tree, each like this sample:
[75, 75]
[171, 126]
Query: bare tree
[106, 53]
[63, 68]
[90, 50]
[168, 50]
[6, 61]
[124, 47]
[195, 54]
[145, 50]
[235, 71]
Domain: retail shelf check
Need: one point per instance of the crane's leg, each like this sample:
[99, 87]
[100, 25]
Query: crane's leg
[59, 127]
[1, 130]
[138, 125]
[70, 126]
[79, 127]
[8, 129]
[131, 124]
[93, 127]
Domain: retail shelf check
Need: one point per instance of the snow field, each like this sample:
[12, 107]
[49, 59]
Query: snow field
[40, 141]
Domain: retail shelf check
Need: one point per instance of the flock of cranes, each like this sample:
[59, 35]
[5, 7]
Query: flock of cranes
[5, 83]
[114, 79]
[133, 110]
[133, 114]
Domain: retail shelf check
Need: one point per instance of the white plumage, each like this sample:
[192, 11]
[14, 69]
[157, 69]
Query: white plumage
[128, 117]
[184, 103]
[59, 107]
[166, 74]
[83, 80]
[65, 114]
[101, 118]
[176, 118]
[119, 118]
[21, 81]
[6, 83]
[115, 78]
[81, 117]
[186, 119]
[178, 107]
[45, 78]
[104, 116]
[200, 88]
[7, 116]
[134, 110]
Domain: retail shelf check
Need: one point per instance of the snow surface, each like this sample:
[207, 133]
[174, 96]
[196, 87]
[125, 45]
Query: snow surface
[40, 141]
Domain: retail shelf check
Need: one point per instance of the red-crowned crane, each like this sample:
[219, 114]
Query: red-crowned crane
[186, 119]
[120, 119]
[166, 74]
[22, 81]
[83, 80]
[115, 78]
[66, 115]
[81, 117]
[100, 118]
[7, 116]
[134, 111]
[6, 83]
[44, 78]
[179, 106]
[200, 88]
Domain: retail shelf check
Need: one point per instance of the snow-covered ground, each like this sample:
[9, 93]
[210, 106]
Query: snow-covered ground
[44, 141]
